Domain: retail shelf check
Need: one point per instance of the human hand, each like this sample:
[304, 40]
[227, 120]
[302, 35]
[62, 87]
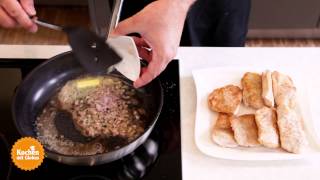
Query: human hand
[160, 26]
[14, 14]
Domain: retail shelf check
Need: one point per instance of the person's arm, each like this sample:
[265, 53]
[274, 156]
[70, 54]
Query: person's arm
[160, 25]
[15, 13]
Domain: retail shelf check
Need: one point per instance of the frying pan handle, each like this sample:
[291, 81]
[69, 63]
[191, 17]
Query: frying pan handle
[103, 17]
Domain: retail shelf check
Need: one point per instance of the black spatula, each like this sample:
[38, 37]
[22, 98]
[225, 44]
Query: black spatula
[90, 50]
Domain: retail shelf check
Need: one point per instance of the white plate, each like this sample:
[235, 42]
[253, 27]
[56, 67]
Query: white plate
[211, 78]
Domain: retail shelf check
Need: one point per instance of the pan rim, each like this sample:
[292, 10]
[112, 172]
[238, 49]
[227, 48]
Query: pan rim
[50, 152]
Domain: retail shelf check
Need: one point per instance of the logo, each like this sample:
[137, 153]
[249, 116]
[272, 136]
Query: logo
[27, 153]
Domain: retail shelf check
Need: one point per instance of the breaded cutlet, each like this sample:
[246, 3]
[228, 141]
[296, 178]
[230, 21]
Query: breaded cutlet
[266, 120]
[226, 99]
[289, 122]
[252, 90]
[292, 136]
[284, 90]
[245, 130]
[222, 133]
[267, 91]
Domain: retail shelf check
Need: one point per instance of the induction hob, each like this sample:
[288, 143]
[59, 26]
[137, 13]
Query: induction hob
[158, 158]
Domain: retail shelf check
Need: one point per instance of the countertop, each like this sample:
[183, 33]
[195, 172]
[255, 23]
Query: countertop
[195, 164]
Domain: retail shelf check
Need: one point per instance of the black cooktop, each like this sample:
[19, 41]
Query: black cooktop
[158, 158]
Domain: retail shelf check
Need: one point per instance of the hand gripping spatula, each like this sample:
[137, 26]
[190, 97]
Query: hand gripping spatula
[103, 23]
[90, 50]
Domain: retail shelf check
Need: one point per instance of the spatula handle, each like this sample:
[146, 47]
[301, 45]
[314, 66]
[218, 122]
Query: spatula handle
[104, 18]
[45, 24]
[116, 14]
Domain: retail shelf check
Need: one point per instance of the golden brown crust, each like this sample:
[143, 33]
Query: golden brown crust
[252, 90]
[245, 130]
[226, 99]
[223, 121]
[222, 133]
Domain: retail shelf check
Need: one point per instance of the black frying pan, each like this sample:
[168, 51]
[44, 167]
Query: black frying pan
[44, 82]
